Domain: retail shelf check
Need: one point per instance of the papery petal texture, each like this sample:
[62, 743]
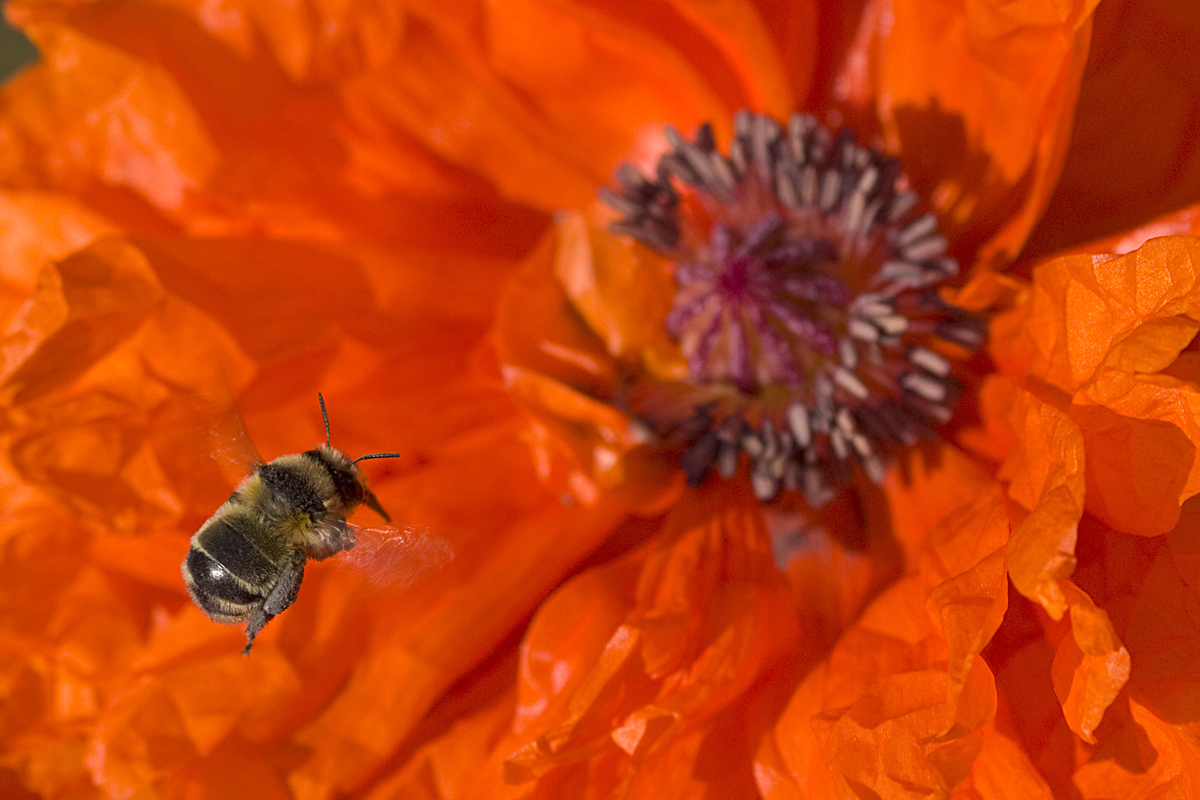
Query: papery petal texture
[938, 76]
[210, 212]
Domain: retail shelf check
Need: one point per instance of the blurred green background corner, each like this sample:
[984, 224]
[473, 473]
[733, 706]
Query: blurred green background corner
[15, 50]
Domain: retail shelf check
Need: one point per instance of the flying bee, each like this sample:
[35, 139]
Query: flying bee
[246, 562]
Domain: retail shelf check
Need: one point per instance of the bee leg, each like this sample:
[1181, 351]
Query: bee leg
[282, 595]
[336, 537]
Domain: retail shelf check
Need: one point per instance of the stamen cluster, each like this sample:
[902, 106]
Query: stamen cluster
[806, 304]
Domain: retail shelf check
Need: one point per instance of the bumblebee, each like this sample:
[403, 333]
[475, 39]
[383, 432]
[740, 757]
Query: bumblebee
[246, 562]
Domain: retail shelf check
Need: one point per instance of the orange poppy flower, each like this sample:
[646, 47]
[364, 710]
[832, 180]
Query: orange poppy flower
[655, 589]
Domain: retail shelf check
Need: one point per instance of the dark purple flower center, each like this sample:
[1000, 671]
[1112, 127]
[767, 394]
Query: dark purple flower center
[806, 305]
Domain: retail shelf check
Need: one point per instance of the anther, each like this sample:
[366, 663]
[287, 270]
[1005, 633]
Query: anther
[918, 228]
[929, 361]
[797, 416]
[851, 383]
[924, 249]
[924, 385]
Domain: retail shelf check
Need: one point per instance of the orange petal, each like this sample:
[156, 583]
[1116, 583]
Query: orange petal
[1146, 743]
[886, 744]
[1090, 666]
[547, 124]
[878, 715]
[160, 125]
[937, 79]
[1139, 428]
[630, 666]
[1156, 760]
[1047, 478]
[1003, 770]
[964, 569]
[1132, 157]
[1140, 438]
[1082, 307]
[622, 291]
[1185, 222]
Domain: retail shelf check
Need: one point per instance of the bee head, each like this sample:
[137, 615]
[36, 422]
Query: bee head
[349, 480]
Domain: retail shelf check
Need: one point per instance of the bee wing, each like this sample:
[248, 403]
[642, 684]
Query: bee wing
[231, 444]
[396, 556]
[202, 448]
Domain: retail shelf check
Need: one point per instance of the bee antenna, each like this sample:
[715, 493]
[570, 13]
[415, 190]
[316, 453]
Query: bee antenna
[375, 455]
[325, 417]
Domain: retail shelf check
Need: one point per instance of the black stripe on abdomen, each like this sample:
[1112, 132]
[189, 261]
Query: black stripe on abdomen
[214, 582]
[230, 540]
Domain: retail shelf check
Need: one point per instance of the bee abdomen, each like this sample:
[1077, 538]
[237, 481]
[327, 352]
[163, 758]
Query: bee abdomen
[293, 488]
[236, 541]
[218, 593]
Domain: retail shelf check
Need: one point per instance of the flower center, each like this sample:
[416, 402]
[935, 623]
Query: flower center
[806, 305]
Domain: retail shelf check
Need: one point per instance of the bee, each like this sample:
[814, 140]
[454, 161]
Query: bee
[246, 562]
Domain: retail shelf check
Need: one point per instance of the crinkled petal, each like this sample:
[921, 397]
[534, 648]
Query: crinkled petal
[1133, 154]
[564, 371]
[428, 639]
[1103, 701]
[938, 77]
[903, 701]
[631, 666]
[639, 673]
[875, 717]
[553, 96]
[1103, 336]
[1046, 474]
[157, 121]
[1091, 664]
[1147, 742]
[1140, 433]
[1154, 759]
[963, 566]
[1083, 306]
